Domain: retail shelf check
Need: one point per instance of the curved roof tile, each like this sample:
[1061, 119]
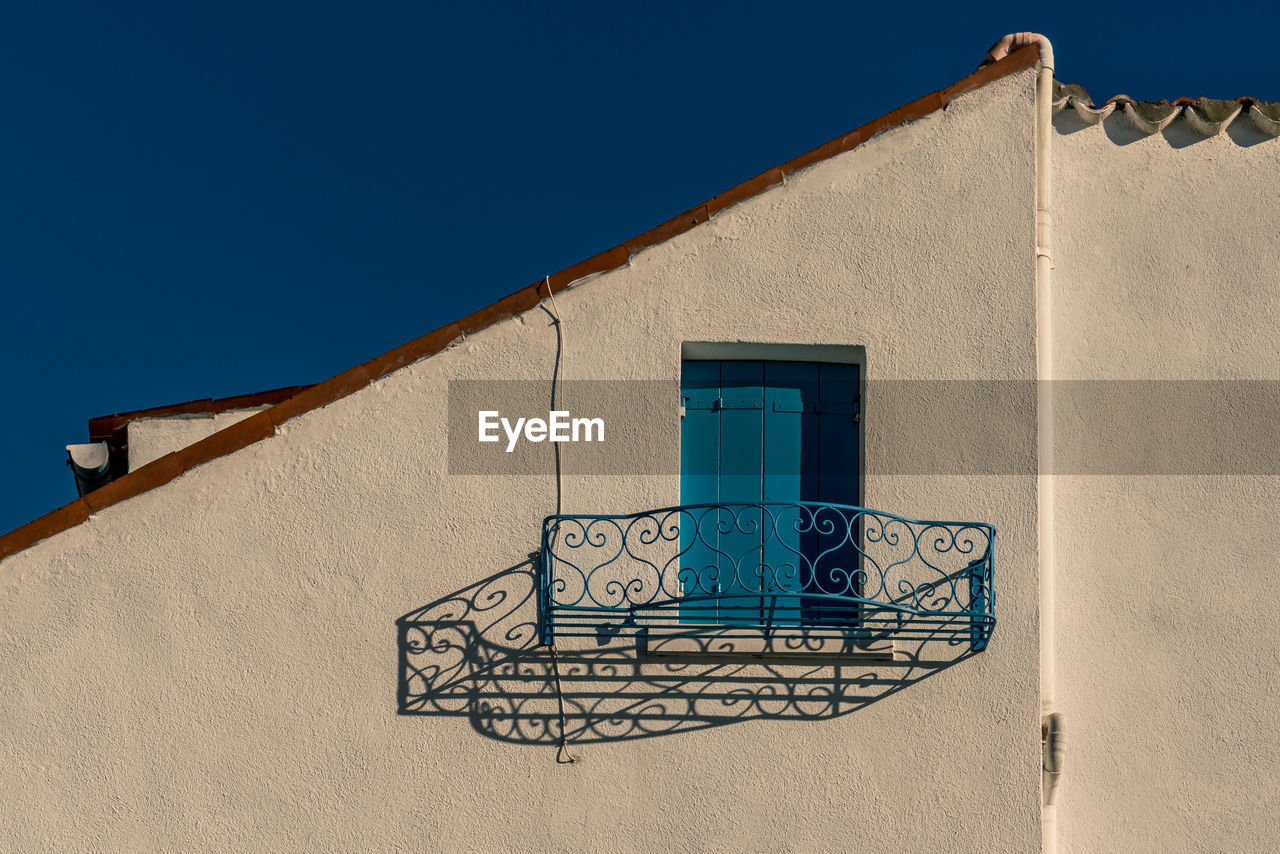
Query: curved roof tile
[1206, 116]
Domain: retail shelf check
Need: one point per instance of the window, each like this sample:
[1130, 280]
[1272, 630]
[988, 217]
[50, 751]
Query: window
[765, 446]
[769, 540]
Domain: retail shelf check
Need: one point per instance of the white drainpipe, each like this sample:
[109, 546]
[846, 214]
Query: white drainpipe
[1051, 720]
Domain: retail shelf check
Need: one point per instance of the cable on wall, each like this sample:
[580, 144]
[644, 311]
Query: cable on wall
[554, 314]
[563, 756]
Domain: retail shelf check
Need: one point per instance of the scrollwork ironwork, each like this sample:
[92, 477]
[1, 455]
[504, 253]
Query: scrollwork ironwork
[775, 568]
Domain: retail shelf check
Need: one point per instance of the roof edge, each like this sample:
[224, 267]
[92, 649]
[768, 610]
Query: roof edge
[106, 427]
[262, 425]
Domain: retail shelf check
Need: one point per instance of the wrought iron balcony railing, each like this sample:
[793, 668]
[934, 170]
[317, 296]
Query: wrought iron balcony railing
[739, 570]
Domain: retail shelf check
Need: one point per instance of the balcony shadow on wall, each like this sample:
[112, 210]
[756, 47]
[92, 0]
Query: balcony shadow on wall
[476, 654]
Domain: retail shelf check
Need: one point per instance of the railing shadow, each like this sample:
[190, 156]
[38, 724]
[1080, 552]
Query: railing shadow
[476, 654]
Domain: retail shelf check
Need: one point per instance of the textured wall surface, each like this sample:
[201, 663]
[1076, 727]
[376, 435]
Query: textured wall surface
[215, 663]
[152, 438]
[1166, 254]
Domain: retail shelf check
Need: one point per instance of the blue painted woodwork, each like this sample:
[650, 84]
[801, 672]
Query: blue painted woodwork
[769, 536]
[757, 431]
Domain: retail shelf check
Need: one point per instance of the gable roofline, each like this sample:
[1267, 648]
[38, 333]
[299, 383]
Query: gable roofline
[262, 425]
[113, 429]
[105, 428]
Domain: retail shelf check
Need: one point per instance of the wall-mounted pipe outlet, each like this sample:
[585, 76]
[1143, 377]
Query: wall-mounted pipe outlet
[91, 466]
[1053, 739]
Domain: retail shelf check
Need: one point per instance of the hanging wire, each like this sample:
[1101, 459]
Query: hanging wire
[563, 756]
[554, 314]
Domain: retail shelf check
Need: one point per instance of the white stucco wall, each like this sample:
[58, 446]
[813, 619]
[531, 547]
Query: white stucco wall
[213, 664]
[1166, 254]
[152, 438]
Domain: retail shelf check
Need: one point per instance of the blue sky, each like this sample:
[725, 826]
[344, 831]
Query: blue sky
[203, 202]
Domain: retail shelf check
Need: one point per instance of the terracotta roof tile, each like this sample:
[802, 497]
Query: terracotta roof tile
[345, 383]
[140, 480]
[67, 516]
[1206, 116]
[407, 354]
[106, 428]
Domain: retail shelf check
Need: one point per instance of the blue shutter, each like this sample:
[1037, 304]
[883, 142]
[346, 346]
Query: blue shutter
[741, 467]
[790, 475]
[764, 432]
[838, 451]
[699, 484]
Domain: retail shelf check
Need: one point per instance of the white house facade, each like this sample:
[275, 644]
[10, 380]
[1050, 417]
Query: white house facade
[337, 619]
